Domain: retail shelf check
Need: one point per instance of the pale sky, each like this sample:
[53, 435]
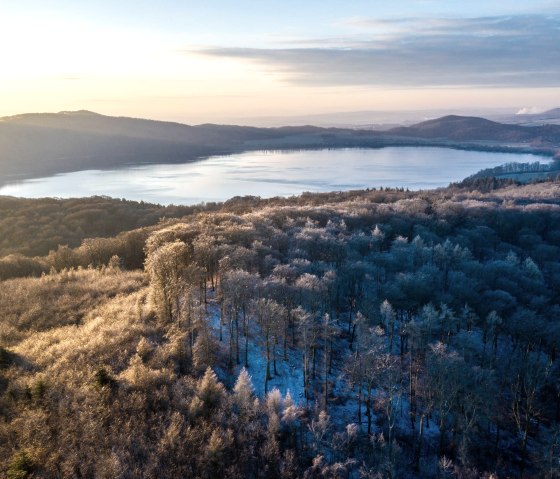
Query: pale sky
[195, 62]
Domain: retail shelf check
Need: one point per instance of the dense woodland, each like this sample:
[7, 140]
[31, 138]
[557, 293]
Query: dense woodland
[33, 227]
[523, 172]
[372, 334]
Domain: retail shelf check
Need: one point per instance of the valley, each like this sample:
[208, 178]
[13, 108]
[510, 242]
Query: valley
[38, 145]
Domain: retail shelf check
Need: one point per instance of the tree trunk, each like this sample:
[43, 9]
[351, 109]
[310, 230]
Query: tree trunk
[360, 404]
[368, 410]
[326, 377]
[268, 376]
[237, 338]
[285, 345]
[418, 449]
[246, 334]
[230, 361]
[274, 355]
[497, 442]
[412, 394]
[205, 289]
[221, 322]
[313, 362]
[305, 373]
[330, 355]
[441, 435]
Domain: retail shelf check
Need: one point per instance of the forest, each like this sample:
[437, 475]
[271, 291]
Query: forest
[522, 172]
[367, 334]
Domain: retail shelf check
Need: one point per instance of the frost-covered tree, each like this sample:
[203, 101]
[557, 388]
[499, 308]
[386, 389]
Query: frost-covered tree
[210, 393]
[169, 270]
[268, 314]
[243, 391]
[388, 319]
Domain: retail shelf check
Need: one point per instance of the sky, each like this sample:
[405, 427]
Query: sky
[218, 61]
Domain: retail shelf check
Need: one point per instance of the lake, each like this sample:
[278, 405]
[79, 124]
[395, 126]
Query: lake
[271, 173]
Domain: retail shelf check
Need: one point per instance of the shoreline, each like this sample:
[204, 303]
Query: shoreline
[378, 143]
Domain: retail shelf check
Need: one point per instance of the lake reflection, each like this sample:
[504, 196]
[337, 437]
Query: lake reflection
[271, 173]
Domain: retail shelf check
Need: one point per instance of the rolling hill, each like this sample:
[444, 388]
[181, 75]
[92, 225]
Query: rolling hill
[34, 145]
[464, 128]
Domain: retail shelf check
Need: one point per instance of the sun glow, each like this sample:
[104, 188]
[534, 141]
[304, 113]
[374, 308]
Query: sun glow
[53, 66]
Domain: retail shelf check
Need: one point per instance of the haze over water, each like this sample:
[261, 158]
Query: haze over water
[271, 173]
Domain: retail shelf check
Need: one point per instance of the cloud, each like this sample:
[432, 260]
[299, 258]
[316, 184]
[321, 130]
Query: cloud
[529, 110]
[501, 51]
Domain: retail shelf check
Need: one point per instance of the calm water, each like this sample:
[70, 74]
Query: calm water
[271, 173]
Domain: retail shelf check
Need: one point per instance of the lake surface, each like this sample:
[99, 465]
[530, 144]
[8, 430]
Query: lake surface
[271, 173]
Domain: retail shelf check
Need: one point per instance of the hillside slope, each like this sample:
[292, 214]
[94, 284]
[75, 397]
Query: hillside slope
[463, 128]
[358, 334]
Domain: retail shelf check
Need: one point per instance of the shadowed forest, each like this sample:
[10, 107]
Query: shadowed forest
[366, 334]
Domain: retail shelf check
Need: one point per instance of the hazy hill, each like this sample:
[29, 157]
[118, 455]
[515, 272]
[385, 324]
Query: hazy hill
[464, 128]
[34, 145]
[93, 123]
[549, 114]
[552, 114]
[523, 118]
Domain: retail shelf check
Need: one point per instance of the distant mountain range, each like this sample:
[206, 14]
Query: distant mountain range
[385, 120]
[34, 145]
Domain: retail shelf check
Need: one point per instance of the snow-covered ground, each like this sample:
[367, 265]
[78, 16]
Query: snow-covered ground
[343, 410]
[290, 372]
